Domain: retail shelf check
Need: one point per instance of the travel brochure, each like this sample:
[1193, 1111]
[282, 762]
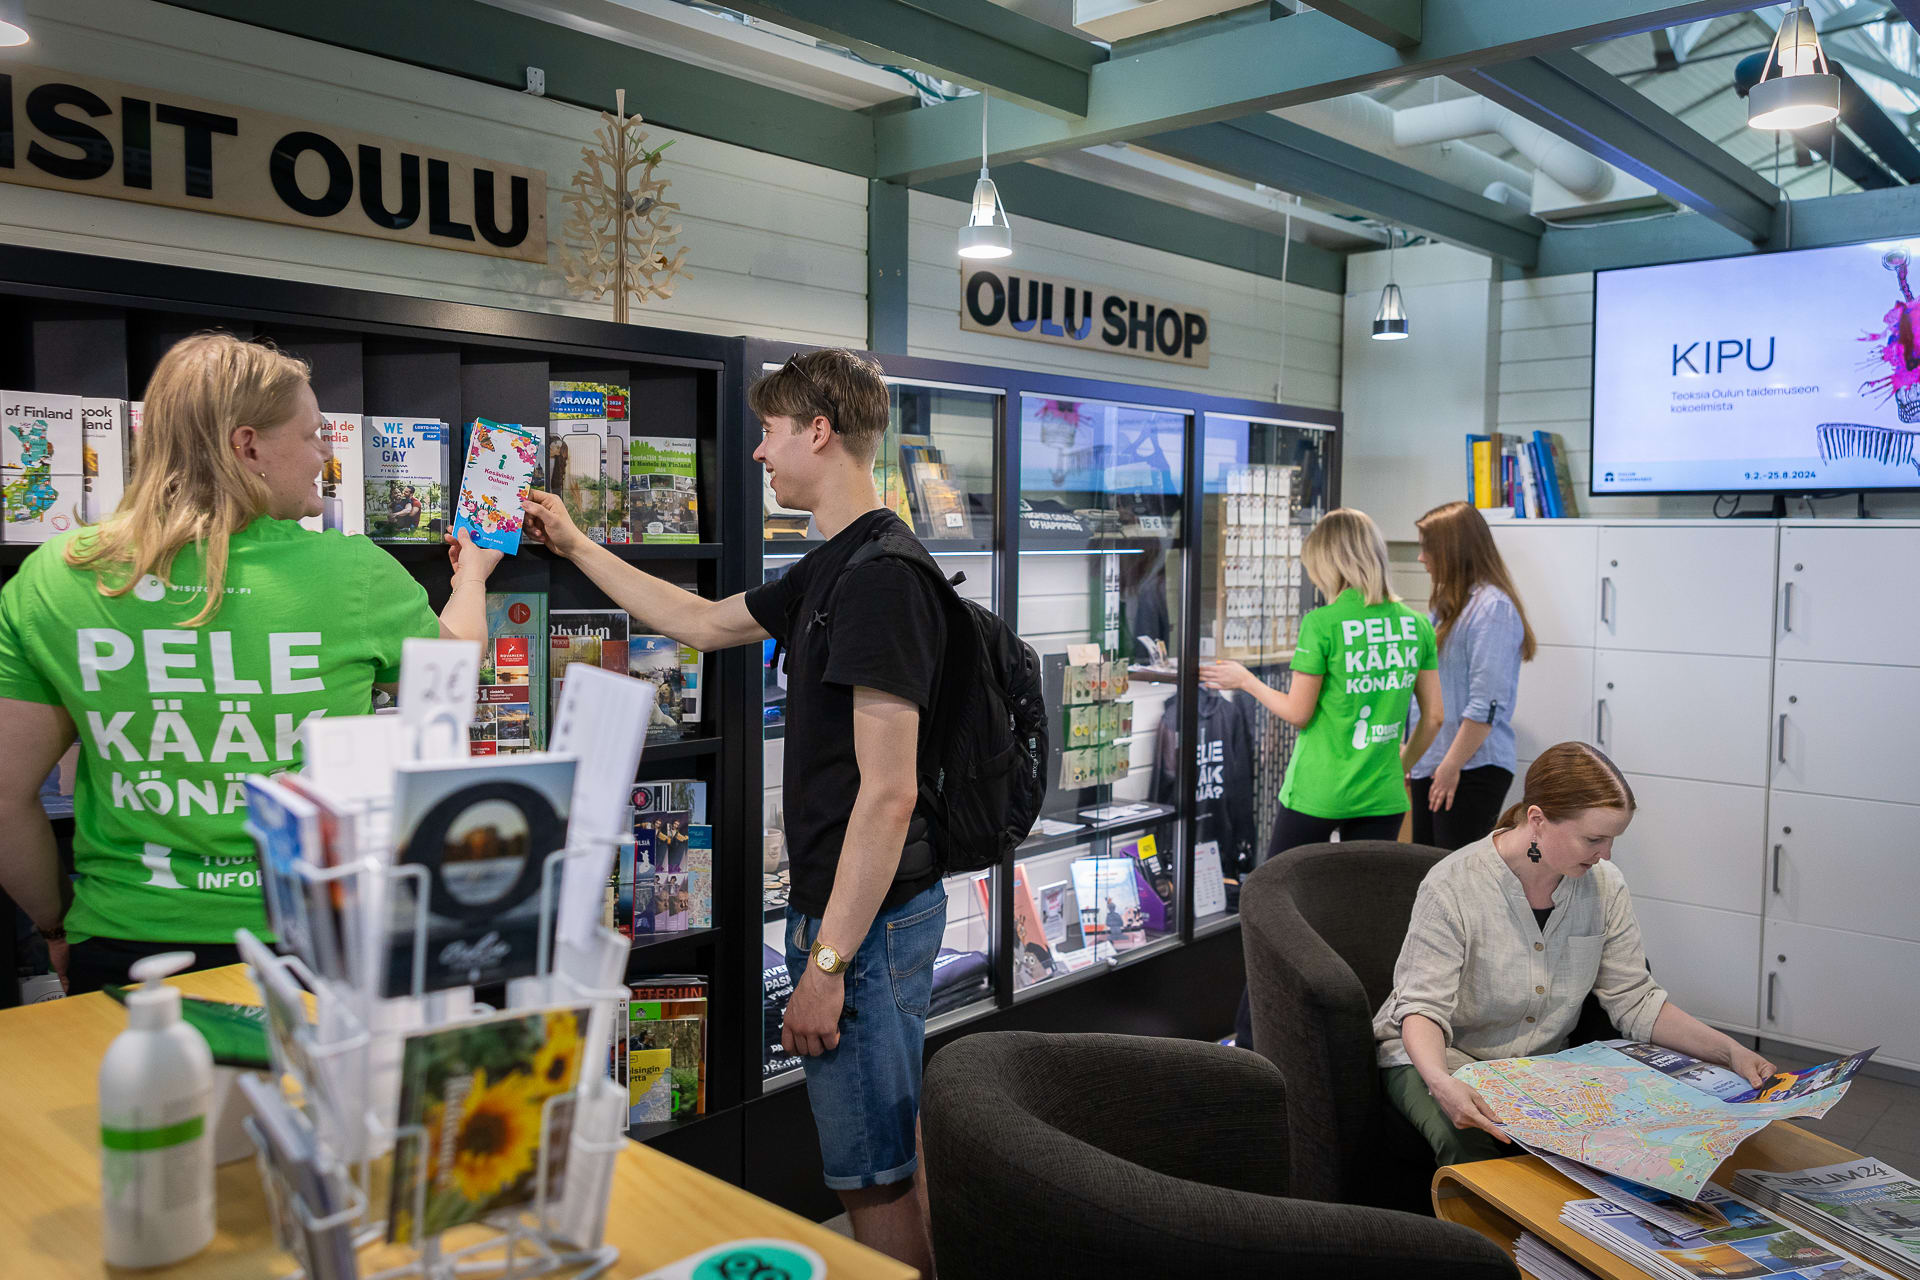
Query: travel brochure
[1752, 1244]
[501, 457]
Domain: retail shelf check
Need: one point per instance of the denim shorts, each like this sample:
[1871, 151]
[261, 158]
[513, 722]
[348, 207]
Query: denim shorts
[865, 1091]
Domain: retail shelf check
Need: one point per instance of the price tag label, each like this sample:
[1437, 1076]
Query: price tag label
[439, 684]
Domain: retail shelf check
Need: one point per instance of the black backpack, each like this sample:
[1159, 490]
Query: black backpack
[984, 745]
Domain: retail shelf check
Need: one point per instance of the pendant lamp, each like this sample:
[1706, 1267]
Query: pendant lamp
[13, 23]
[1796, 89]
[987, 233]
[1390, 321]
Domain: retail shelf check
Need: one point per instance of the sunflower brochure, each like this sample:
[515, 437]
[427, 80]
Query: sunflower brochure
[501, 458]
[476, 1100]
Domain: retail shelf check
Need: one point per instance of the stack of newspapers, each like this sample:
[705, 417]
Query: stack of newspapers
[1752, 1244]
[1544, 1262]
[1860, 1204]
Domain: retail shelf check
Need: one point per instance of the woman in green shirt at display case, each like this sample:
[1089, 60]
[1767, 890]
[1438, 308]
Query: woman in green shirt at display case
[183, 641]
[1361, 660]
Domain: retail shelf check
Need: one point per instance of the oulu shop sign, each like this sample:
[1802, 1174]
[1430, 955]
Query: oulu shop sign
[1019, 304]
[72, 132]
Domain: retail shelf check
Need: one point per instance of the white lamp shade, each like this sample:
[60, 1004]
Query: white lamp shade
[1794, 101]
[987, 233]
[1803, 92]
[13, 23]
[1390, 321]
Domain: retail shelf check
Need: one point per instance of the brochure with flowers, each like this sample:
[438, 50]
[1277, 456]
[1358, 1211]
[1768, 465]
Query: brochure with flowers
[472, 1099]
[501, 457]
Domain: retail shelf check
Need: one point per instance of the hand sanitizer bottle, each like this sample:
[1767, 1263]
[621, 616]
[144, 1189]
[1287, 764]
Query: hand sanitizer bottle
[156, 1141]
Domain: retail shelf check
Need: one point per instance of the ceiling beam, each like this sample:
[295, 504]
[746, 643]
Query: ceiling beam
[1098, 209]
[1575, 100]
[1394, 22]
[1259, 68]
[974, 42]
[1282, 154]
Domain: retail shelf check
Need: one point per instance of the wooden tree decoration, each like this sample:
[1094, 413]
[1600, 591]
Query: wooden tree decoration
[618, 219]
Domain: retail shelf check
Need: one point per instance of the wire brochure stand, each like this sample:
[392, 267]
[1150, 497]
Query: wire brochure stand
[356, 1111]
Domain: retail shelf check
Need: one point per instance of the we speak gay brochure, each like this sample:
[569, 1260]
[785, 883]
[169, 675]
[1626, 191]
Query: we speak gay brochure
[493, 488]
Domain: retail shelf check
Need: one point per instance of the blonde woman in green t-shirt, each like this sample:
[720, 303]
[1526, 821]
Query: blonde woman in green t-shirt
[182, 642]
[1362, 659]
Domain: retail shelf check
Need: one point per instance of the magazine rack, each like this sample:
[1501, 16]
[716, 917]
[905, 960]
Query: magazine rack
[346, 1065]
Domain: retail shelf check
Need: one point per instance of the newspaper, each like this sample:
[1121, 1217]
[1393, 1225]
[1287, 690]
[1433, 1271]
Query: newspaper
[1863, 1204]
[1752, 1244]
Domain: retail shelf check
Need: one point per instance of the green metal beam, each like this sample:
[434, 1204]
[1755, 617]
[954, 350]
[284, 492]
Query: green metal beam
[1037, 194]
[972, 41]
[1394, 22]
[480, 42]
[1286, 155]
[886, 267]
[1572, 98]
[1887, 214]
[1260, 67]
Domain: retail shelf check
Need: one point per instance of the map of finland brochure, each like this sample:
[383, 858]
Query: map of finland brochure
[501, 457]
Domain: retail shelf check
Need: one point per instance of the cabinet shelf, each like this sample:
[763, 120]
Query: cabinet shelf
[1033, 847]
[684, 749]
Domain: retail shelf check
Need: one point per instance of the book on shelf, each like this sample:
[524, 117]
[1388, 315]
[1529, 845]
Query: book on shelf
[501, 458]
[674, 669]
[660, 841]
[475, 1098]
[617, 399]
[406, 462]
[1109, 894]
[343, 477]
[595, 637]
[663, 485]
[42, 464]
[106, 445]
[511, 712]
[1861, 1204]
[669, 1013]
[577, 448]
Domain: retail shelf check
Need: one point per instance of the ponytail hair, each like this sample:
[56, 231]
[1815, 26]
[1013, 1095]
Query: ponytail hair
[1568, 778]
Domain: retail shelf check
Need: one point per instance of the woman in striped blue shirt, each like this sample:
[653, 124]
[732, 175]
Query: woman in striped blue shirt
[1460, 784]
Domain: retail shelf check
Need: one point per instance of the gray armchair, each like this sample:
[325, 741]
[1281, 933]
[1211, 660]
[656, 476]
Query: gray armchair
[1322, 927]
[1087, 1155]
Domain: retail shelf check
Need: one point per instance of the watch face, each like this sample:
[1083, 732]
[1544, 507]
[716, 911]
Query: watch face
[827, 958]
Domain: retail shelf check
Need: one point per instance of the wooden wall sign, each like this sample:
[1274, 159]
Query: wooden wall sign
[1019, 304]
[72, 132]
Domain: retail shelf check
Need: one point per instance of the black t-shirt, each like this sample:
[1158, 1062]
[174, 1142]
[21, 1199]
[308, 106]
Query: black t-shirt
[886, 632]
[1541, 915]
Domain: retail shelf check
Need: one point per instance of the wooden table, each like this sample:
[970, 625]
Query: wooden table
[1500, 1198]
[662, 1210]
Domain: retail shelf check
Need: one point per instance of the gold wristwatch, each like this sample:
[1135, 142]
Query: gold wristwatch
[828, 959]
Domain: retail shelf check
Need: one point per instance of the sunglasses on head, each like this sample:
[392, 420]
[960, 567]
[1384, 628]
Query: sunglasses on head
[833, 407]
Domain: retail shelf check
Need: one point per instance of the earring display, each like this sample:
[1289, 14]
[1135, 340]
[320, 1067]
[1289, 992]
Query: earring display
[1098, 723]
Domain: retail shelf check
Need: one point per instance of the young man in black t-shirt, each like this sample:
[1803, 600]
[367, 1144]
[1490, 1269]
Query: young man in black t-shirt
[864, 649]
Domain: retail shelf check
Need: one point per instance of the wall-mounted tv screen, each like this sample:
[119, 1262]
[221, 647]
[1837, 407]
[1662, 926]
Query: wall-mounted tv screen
[1793, 372]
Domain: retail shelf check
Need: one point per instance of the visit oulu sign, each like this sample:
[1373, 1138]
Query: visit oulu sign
[71, 132]
[1019, 304]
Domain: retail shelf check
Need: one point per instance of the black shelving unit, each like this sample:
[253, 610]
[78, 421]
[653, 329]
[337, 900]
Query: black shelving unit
[93, 326]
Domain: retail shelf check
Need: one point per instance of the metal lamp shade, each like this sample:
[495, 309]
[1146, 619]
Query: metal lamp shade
[13, 22]
[987, 233]
[1794, 102]
[1390, 321]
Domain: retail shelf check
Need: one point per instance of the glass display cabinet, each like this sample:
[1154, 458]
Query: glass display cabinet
[1265, 482]
[937, 469]
[1101, 534]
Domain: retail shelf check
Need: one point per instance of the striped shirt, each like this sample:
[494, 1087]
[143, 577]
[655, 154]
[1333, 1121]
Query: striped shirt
[1476, 962]
[1479, 679]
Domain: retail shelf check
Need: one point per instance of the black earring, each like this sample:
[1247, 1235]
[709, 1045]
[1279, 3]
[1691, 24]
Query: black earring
[1533, 851]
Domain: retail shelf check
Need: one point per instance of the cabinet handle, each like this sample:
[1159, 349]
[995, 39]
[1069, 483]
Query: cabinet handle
[1782, 734]
[1776, 868]
[1600, 723]
[1606, 595]
[1786, 607]
[1773, 982]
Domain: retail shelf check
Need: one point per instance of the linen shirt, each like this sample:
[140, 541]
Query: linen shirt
[1498, 986]
[1479, 679]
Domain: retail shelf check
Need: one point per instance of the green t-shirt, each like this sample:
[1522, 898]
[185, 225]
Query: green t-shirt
[1347, 762]
[171, 719]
